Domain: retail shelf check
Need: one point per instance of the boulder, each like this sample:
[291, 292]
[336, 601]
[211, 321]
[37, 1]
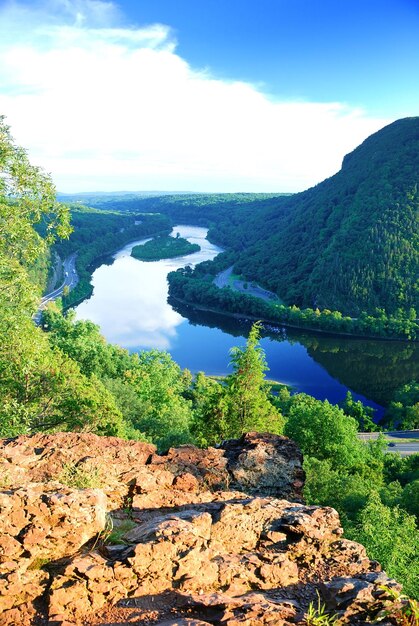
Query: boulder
[189, 538]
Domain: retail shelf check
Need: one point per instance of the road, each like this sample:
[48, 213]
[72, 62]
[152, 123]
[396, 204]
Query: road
[223, 279]
[70, 281]
[397, 440]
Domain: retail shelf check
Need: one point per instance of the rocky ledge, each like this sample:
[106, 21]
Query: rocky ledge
[96, 530]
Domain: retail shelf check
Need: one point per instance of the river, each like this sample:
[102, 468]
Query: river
[129, 303]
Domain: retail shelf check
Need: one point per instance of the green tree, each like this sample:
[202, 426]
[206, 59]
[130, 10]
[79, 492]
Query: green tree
[249, 406]
[363, 414]
[27, 198]
[210, 423]
[391, 537]
[410, 498]
[325, 432]
[160, 385]
[403, 411]
[40, 387]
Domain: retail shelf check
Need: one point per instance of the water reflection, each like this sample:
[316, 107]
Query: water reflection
[130, 305]
[129, 300]
[325, 367]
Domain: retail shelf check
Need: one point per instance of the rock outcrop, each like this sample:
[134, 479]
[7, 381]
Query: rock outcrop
[217, 536]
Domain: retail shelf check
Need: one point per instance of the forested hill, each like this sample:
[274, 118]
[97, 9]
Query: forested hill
[350, 243]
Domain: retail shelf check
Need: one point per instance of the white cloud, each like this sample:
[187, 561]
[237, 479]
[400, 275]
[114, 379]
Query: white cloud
[104, 106]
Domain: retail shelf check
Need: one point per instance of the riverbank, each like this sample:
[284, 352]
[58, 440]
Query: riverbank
[87, 264]
[130, 306]
[275, 326]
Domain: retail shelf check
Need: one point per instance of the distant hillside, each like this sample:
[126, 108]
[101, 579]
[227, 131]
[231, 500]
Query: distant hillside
[235, 220]
[352, 242]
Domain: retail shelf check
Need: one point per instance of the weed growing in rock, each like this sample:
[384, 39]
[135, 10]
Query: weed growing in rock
[403, 609]
[5, 479]
[116, 535]
[317, 616]
[81, 477]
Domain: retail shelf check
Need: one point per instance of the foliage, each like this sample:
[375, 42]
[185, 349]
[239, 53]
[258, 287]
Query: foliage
[164, 248]
[325, 432]
[197, 287]
[363, 414]
[351, 242]
[210, 422]
[404, 610]
[403, 411]
[390, 536]
[318, 616]
[346, 491]
[241, 402]
[402, 469]
[160, 384]
[27, 196]
[82, 342]
[116, 534]
[410, 498]
[41, 388]
[81, 476]
[249, 407]
[99, 233]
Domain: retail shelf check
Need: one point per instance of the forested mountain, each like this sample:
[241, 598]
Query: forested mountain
[352, 242]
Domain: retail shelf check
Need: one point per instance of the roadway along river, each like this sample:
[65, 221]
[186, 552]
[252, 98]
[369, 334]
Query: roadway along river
[130, 305]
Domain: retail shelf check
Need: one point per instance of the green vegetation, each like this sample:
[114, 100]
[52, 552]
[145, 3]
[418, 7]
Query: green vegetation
[164, 248]
[347, 248]
[96, 235]
[368, 488]
[81, 476]
[115, 534]
[352, 242]
[197, 287]
[403, 412]
[69, 378]
[239, 402]
[318, 616]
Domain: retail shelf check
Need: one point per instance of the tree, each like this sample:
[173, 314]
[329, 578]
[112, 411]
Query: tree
[249, 407]
[391, 537]
[410, 498]
[160, 385]
[27, 200]
[403, 412]
[362, 414]
[325, 432]
[210, 423]
[41, 388]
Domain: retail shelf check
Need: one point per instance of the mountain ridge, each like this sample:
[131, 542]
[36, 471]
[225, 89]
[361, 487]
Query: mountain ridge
[350, 242]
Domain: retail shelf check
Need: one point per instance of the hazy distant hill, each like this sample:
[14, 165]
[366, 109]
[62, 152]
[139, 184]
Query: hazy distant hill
[351, 242]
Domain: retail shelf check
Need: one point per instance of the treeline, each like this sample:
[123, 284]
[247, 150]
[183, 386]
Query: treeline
[196, 287]
[235, 220]
[99, 233]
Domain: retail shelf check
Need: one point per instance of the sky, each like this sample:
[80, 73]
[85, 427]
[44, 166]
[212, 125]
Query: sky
[203, 95]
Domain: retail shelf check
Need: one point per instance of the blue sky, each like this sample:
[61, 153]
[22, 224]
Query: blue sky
[363, 52]
[203, 95]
